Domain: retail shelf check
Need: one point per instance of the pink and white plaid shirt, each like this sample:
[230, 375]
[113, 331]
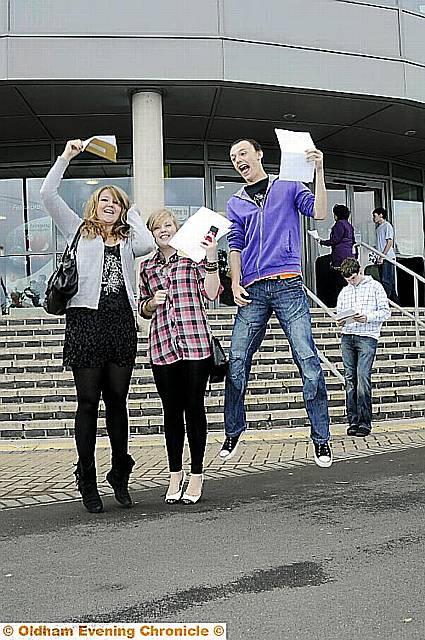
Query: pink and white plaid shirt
[179, 328]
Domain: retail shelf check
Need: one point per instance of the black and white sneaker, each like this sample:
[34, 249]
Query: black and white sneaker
[229, 447]
[322, 454]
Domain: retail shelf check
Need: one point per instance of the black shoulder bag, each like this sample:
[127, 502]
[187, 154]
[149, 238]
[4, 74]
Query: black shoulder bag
[219, 362]
[63, 283]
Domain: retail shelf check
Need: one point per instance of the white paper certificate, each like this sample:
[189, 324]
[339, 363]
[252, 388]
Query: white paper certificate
[313, 233]
[188, 238]
[293, 163]
[346, 314]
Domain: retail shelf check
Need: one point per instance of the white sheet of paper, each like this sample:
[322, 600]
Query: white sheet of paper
[314, 233]
[188, 238]
[293, 163]
[346, 314]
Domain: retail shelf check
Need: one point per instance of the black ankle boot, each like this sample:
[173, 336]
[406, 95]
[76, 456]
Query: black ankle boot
[86, 482]
[118, 478]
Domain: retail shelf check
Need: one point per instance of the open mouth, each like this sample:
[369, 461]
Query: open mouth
[244, 169]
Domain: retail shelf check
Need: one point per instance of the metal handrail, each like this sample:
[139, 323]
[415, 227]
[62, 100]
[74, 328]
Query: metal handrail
[416, 279]
[321, 355]
[406, 313]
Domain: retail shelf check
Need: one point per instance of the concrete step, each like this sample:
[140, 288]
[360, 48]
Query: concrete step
[44, 344]
[290, 418]
[41, 391]
[47, 408]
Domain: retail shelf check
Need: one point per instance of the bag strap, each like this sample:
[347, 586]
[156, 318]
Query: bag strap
[73, 246]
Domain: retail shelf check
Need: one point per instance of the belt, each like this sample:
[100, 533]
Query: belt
[283, 276]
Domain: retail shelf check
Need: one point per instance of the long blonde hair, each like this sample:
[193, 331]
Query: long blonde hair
[93, 226]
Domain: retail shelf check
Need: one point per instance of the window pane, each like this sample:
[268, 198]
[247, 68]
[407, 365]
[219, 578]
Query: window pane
[418, 6]
[366, 199]
[184, 196]
[408, 219]
[407, 173]
[13, 274]
[39, 228]
[12, 230]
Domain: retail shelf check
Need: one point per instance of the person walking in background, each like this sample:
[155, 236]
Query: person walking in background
[265, 264]
[360, 334]
[100, 335]
[385, 244]
[341, 241]
[173, 291]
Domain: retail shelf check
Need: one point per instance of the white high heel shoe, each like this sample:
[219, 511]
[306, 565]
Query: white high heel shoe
[189, 499]
[173, 498]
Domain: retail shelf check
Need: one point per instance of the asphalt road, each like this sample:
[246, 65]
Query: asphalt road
[294, 554]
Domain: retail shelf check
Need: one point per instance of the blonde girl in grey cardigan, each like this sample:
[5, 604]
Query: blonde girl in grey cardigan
[100, 336]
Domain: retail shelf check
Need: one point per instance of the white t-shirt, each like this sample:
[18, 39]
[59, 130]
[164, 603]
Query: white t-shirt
[385, 232]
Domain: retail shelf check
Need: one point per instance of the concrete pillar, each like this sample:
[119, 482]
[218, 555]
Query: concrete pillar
[148, 161]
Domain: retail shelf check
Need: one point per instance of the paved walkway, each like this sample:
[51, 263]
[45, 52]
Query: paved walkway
[35, 472]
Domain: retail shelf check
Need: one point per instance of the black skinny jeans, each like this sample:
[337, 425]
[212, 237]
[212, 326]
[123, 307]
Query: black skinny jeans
[112, 383]
[181, 386]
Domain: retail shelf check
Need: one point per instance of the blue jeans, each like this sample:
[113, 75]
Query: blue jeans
[358, 354]
[387, 277]
[288, 300]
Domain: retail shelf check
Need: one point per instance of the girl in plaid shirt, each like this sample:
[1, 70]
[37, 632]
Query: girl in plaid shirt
[173, 291]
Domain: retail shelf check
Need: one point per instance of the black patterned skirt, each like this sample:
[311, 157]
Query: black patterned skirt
[94, 337]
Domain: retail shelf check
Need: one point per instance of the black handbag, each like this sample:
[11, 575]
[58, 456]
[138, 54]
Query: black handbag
[219, 362]
[63, 283]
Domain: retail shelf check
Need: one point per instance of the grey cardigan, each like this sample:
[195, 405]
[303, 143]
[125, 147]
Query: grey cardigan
[90, 252]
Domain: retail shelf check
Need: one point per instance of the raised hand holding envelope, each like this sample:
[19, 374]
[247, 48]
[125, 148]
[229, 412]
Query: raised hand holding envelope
[103, 146]
[189, 237]
[293, 162]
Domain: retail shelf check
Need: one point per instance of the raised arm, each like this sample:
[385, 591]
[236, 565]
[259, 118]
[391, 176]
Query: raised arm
[142, 241]
[320, 195]
[63, 216]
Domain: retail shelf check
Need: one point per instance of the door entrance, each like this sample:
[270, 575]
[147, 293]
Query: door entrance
[225, 183]
[361, 198]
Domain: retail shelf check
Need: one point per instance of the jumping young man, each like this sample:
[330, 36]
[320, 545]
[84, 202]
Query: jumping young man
[265, 263]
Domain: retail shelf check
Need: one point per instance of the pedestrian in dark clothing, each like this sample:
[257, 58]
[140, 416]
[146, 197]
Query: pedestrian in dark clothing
[341, 241]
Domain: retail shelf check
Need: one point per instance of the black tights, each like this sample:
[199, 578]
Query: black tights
[181, 386]
[112, 382]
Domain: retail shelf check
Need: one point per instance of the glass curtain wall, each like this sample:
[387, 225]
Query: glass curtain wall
[30, 244]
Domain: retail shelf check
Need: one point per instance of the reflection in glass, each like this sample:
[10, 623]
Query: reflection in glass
[25, 290]
[418, 6]
[184, 196]
[408, 219]
[12, 231]
[366, 199]
[39, 225]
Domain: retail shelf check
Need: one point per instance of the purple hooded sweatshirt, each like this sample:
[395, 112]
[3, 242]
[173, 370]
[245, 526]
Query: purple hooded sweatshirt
[342, 241]
[269, 237]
